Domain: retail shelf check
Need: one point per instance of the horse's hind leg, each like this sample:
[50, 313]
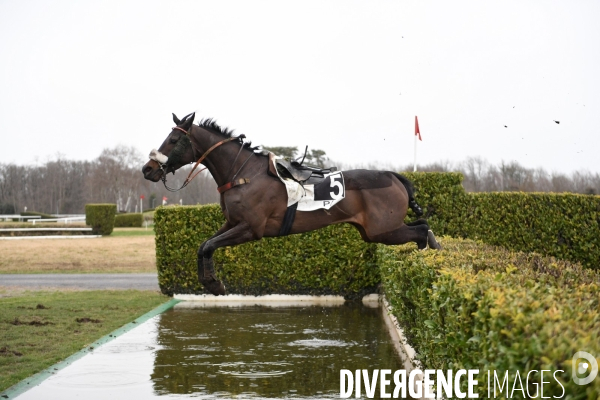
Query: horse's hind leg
[417, 232]
[431, 242]
[417, 222]
[402, 235]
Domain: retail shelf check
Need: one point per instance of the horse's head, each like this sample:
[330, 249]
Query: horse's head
[175, 152]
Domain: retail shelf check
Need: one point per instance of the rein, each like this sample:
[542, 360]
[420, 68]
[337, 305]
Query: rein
[206, 153]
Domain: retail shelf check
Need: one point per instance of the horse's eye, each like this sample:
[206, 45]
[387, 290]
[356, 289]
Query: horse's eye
[173, 141]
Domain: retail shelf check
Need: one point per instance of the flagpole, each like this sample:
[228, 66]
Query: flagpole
[417, 133]
[415, 162]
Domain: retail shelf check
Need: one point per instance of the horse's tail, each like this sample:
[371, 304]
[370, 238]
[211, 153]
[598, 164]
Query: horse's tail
[410, 190]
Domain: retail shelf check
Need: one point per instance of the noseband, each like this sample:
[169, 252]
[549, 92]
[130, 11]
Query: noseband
[162, 160]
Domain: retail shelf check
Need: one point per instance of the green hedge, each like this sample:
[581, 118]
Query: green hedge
[475, 306]
[34, 213]
[563, 225]
[101, 217]
[129, 220]
[333, 260]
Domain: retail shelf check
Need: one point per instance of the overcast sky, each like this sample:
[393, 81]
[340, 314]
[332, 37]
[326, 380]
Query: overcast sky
[345, 76]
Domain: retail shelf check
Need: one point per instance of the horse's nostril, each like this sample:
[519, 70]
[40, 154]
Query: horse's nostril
[146, 170]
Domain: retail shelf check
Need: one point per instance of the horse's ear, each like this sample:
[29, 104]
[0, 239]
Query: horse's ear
[176, 120]
[187, 122]
[188, 116]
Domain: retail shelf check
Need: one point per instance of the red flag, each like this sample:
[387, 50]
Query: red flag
[142, 197]
[417, 132]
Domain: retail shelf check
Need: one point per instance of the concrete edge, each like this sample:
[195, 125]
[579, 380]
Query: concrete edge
[272, 300]
[38, 378]
[407, 353]
[398, 333]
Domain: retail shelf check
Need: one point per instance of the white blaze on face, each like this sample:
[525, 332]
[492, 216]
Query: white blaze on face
[158, 156]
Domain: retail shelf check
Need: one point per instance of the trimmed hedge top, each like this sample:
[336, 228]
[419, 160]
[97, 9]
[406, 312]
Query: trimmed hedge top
[129, 220]
[563, 225]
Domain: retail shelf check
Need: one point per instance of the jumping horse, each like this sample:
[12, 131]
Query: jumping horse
[254, 202]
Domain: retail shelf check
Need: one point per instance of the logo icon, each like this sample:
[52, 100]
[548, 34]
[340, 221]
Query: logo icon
[581, 367]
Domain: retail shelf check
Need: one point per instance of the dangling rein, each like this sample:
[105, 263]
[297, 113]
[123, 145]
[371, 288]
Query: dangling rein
[153, 156]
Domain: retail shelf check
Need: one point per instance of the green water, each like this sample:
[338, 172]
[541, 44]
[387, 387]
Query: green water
[260, 352]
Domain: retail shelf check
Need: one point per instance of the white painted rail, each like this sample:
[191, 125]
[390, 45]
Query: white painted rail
[44, 229]
[66, 220]
[50, 237]
[19, 217]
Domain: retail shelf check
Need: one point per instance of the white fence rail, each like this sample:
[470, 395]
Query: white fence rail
[19, 217]
[66, 220]
[46, 230]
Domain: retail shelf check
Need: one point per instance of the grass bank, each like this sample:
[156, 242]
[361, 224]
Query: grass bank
[39, 329]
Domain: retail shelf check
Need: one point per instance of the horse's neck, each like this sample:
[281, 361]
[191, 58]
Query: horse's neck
[220, 161]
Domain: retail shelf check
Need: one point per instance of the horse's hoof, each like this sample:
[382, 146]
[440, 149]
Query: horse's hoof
[215, 287]
[433, 244]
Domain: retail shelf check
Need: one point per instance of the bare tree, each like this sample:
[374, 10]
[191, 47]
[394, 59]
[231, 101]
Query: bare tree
[63, 186]
[475, 171]
[516, 177]
[116, 177]
[201, 190]
[542, 180]
[11, 186]
[561, 183]
[439, 166]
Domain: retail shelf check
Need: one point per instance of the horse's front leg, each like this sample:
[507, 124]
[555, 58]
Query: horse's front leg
[238, 234]
[226, 226]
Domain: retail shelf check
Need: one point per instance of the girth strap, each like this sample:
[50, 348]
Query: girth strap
[288, 220]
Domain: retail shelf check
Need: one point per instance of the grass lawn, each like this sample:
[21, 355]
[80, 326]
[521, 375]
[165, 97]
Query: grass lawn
[41, 328]
[133, 232]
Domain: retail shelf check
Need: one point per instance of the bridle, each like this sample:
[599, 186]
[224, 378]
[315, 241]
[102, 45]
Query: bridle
[190, 176]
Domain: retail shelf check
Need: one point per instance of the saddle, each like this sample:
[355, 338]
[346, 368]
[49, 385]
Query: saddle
[292, 169]
[303, 174]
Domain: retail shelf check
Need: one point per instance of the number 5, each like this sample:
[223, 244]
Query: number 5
[333, 184]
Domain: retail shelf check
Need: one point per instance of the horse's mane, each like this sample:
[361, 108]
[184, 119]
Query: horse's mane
[211, 125]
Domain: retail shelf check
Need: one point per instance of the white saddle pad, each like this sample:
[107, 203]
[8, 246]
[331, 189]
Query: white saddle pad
[310, 197]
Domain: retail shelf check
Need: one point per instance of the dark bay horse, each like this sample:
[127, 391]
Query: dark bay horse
[254, 203]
